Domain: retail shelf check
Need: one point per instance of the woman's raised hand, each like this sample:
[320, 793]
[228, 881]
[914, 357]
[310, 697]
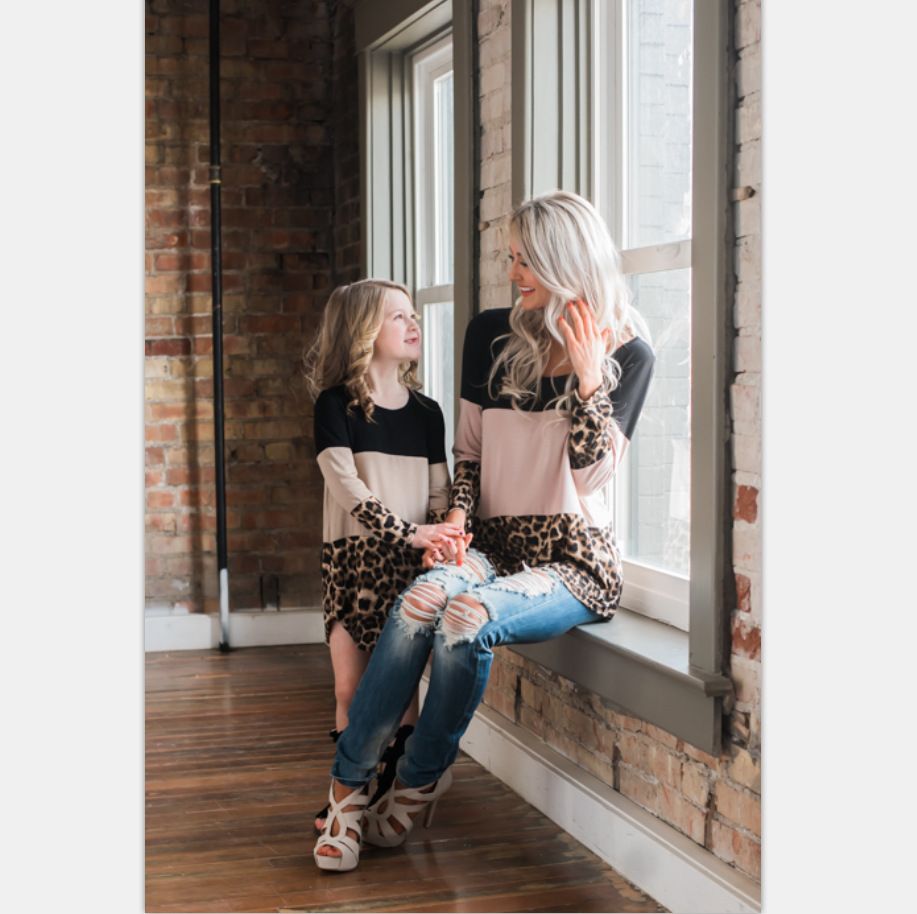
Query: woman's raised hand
[586, 345]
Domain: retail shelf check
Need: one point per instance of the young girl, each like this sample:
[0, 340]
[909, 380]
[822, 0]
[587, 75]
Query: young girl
[380, 446]
[551, 393]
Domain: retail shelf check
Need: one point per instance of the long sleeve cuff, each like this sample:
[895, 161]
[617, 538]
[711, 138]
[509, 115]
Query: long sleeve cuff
[387, 526]
[466, 487]
[592, 431]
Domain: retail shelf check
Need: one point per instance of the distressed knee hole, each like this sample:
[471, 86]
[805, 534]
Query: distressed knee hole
[475, 566]
[533, 583]
[464, 617]
[422, 602]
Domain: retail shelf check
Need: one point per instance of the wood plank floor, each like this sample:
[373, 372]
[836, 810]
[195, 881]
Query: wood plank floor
[237, 761]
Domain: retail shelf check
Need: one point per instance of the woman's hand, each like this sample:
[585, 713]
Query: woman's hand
[452, 549]
[586, 346]
[437, 536]
[459, 546]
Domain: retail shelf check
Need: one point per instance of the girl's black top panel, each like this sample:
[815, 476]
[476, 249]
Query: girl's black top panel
[415, 430]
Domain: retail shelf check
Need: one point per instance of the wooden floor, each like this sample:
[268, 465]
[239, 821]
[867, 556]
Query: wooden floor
[237, 762]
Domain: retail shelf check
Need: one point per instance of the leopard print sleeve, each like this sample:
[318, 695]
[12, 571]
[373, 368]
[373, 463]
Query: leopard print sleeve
[466, 487]
[594, 434]
[387, 526]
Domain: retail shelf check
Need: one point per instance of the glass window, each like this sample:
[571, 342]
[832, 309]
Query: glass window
[443, 159]
[643, 180]
[657, 122]
[654, 488]
[434, 219]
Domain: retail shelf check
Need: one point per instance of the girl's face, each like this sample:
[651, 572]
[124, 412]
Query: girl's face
[534, 295]
[399, 338]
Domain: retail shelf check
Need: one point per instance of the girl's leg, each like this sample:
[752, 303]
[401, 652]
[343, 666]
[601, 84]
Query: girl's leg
[348, 663]
[527, 607]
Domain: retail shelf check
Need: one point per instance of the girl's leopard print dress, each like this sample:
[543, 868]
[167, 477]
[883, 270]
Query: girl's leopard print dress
[382, 478]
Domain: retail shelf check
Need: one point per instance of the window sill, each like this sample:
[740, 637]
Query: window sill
[641, 666]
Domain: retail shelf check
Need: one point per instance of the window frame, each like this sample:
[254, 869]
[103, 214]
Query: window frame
[387, 37]
[668, 677]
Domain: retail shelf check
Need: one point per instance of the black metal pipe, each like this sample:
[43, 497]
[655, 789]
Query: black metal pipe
[216, 270]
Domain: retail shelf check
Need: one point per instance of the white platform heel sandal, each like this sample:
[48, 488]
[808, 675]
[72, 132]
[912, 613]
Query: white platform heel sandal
[379, 830]
[352, 820]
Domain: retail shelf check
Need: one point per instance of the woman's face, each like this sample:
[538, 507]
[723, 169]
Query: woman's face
[399, 338]
[534, 295]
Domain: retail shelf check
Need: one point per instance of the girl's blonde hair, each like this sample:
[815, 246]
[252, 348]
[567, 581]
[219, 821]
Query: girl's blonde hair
[566, 244]
[343, 346]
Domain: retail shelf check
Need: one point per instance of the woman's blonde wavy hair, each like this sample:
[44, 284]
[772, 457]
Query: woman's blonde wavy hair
[566, 244]
[343, 346]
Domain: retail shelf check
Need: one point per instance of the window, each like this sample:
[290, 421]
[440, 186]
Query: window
[642, 186]
[434, 218]
[625, 102]
[416, 148]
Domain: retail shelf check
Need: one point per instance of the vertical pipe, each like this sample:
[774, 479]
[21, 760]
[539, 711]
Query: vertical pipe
[216, 267]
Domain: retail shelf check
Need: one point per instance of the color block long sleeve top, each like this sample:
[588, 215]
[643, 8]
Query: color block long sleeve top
[382, 479]
[530, 479]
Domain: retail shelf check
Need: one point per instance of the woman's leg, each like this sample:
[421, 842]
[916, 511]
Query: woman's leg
[397, 662]
[390, 680]
[527, 607]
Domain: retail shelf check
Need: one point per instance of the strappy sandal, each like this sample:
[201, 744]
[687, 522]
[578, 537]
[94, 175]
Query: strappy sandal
[352, 820]
[389, 762]
[323, 813]
[379, 830]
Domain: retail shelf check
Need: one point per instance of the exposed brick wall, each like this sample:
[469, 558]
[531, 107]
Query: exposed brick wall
[714, 801]
[289, 225]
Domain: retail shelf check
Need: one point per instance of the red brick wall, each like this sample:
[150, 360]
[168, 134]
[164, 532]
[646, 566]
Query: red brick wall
[290, 231]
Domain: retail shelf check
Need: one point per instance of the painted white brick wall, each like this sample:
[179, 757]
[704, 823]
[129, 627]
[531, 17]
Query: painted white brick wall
[746, 388]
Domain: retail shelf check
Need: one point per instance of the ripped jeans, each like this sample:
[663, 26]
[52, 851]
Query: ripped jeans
[460, 614]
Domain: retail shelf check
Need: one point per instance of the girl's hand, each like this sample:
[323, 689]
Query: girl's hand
[436, 536]
[586, 346]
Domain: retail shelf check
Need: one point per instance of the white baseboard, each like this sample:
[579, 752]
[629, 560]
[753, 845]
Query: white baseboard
[664, 863]
[201, 631]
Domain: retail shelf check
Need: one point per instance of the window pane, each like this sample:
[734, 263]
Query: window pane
[438, 379]
[654, 488]
[658, 69]
[442, 117]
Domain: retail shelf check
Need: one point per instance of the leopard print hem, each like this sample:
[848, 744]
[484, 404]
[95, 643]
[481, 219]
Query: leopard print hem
[362, 577]
[585, 558]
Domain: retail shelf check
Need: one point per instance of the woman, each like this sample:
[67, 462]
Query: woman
[551, 392]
